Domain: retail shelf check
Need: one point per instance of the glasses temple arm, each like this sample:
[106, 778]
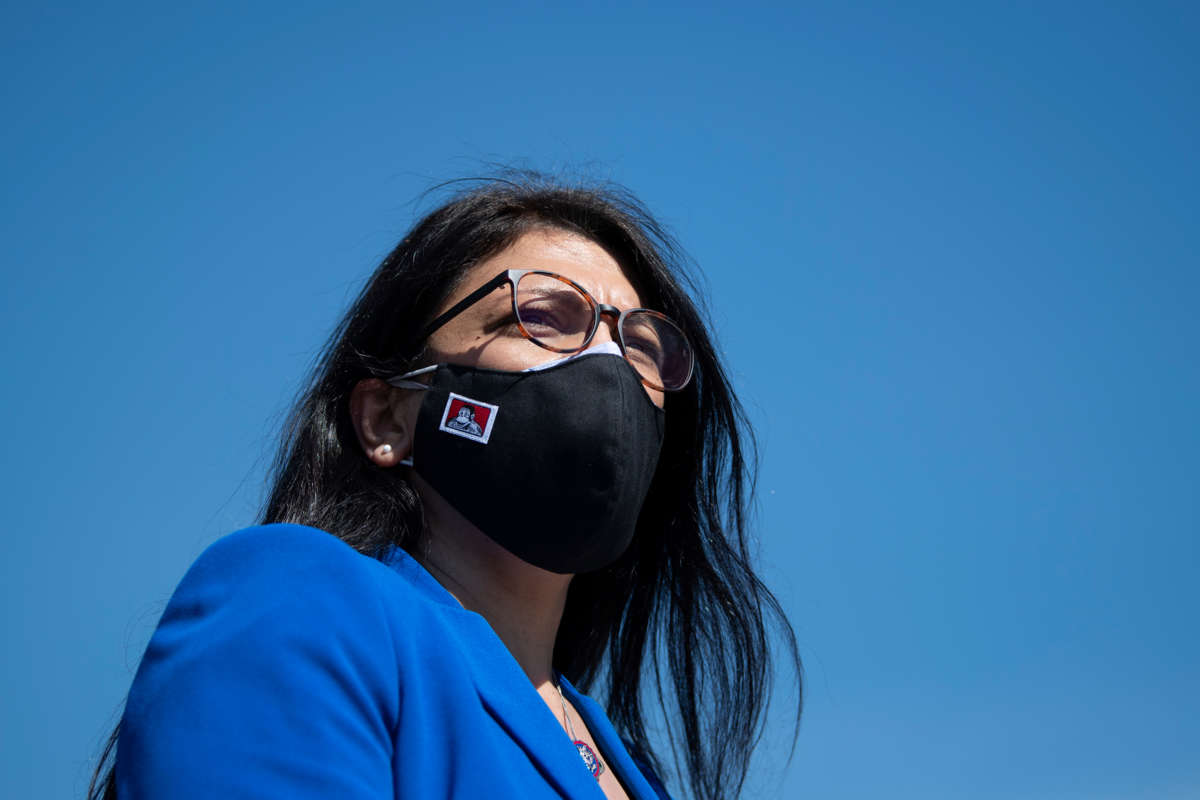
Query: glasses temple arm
[462, 305]
[403, 382]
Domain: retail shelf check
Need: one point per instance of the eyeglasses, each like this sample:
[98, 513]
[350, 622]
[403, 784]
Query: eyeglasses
[559, 315]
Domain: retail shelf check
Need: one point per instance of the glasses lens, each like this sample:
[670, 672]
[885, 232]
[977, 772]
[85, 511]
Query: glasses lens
[657, 349]
[553, 312]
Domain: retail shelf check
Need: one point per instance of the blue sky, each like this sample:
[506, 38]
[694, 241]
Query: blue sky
[951, 257]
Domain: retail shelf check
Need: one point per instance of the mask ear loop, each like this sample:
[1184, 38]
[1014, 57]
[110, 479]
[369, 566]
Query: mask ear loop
[403, 382]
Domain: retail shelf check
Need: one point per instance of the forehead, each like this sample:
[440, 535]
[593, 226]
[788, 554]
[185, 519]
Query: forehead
[568, 254]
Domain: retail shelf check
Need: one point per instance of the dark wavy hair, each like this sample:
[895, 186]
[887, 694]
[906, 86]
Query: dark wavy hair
[680, 619]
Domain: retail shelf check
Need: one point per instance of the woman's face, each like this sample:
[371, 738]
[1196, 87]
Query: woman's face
[486, 335]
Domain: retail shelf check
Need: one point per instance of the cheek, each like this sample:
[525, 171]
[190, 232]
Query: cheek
[490, 351]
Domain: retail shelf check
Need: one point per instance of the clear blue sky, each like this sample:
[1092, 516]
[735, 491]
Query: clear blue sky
[951, 253]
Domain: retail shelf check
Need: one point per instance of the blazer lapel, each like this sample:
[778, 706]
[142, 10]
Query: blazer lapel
[505, 690]
[516, 706]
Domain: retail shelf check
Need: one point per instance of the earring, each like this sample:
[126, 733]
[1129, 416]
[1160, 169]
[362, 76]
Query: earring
[383, 449]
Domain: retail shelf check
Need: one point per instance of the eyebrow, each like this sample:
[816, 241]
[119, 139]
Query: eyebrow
[545, 291]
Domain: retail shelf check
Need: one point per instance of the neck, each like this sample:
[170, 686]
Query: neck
[523, 603]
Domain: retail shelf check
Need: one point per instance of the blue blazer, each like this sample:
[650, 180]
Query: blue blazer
[287, 665]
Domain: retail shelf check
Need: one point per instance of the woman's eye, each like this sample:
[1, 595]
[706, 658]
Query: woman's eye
[540, 318]
[643, 349]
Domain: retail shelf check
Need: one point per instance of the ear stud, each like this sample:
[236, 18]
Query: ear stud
[383, 449]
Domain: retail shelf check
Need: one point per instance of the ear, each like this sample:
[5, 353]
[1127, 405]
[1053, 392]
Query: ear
[385, 419]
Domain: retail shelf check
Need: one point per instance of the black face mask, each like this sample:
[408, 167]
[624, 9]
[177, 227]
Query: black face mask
[553, 465]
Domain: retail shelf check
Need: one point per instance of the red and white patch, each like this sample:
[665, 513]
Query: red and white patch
[470, 419]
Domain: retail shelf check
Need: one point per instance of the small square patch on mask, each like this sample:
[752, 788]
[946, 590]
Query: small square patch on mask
[470, 419]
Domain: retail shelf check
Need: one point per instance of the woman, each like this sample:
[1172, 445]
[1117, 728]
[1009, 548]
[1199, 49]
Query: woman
[523, 434]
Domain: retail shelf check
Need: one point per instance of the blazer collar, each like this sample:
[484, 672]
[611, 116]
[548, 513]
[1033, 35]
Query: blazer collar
[418, 577]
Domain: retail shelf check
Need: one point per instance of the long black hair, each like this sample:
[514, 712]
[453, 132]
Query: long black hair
[680, 619]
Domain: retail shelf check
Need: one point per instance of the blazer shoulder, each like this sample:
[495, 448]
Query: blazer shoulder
[286, 581]
[281, 556]
[280, 540]
[272, 660]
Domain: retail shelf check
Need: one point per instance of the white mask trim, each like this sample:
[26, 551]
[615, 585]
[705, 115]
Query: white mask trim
[607, 348]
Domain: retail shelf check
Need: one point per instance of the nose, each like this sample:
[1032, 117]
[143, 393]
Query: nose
[609, 330]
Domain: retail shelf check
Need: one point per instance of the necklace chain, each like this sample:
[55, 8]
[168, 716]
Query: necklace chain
[590, 759]
[566, 716]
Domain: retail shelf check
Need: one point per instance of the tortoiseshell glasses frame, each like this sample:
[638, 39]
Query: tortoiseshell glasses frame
[558, 314]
